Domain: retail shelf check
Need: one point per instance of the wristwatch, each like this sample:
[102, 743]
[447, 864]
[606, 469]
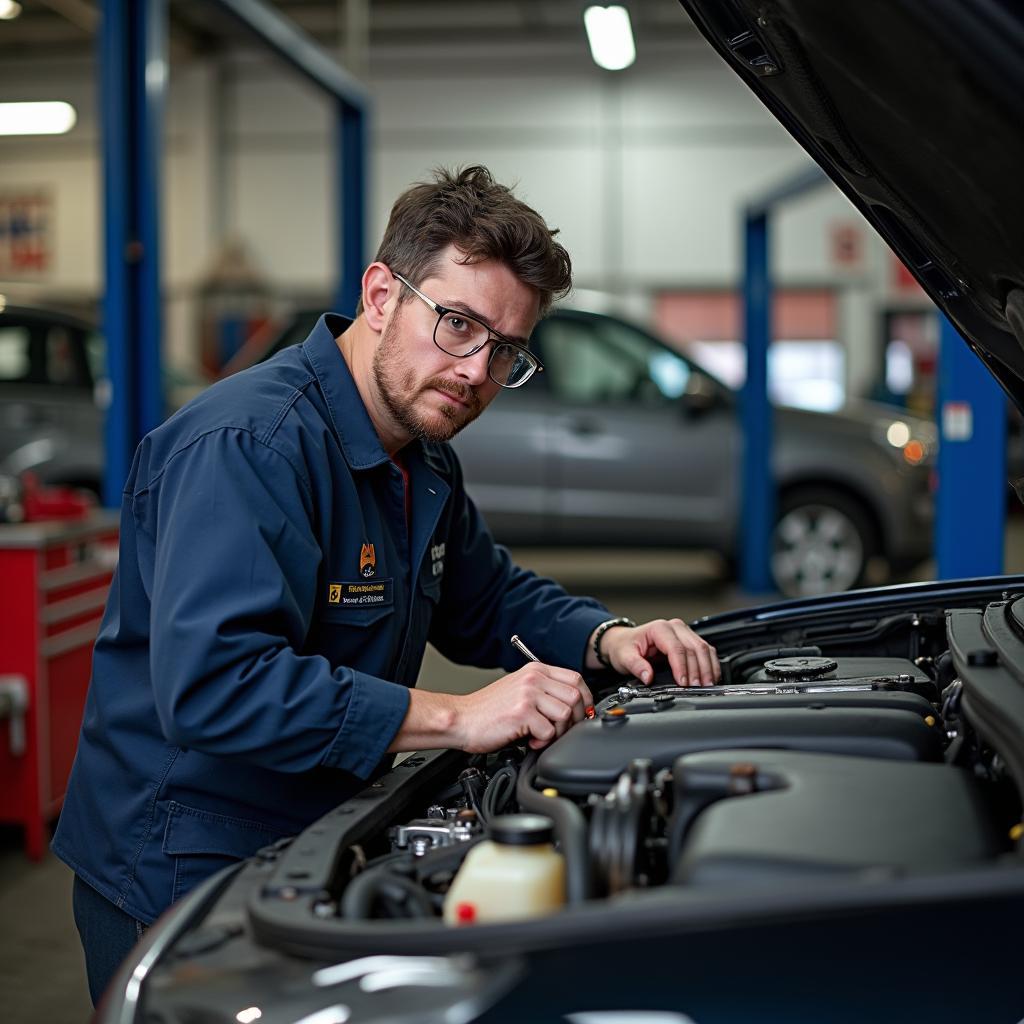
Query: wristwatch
[600, 632]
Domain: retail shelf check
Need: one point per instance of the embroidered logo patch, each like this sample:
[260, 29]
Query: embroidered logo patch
[359, 594]
[437, 559]
[367, 561]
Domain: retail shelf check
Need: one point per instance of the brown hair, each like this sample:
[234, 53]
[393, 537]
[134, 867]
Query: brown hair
[485, 221]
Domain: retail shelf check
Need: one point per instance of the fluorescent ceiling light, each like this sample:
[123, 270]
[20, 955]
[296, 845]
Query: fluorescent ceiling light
[610, 37]
[9, 9]
[36, 118]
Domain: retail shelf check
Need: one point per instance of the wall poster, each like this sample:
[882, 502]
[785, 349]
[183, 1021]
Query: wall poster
[26, 232]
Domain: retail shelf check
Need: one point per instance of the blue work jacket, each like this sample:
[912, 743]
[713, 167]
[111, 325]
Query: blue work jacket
[271, 606]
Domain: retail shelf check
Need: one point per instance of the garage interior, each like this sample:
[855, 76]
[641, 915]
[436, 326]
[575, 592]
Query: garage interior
[653, 174]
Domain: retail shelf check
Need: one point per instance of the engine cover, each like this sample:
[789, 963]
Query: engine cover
[665, 723]
[813, 814]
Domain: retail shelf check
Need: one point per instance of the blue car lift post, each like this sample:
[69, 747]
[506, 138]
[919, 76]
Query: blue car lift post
[970, 513]
[133, 86]
[757, 484]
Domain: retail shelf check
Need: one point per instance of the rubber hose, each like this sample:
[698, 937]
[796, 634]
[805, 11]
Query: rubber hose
[360, 894]
[357, 900]
[406, 893]
[498, 792]
[570, 829]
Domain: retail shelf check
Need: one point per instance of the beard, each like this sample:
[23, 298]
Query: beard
[396, 384]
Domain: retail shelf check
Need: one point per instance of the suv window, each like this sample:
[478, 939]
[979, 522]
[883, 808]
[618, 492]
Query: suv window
[15, 357]
[43, 354]
[603, 360]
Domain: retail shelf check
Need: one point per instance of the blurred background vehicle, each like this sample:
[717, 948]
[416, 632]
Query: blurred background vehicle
[53, 394]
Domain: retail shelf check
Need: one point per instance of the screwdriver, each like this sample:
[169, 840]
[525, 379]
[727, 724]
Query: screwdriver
[529, 655]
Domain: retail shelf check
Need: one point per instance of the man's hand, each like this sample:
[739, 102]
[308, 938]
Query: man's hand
[692, 660]
[537, 701]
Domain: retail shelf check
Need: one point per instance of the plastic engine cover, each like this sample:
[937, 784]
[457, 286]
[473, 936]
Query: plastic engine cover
[810, 813]
[664, 723]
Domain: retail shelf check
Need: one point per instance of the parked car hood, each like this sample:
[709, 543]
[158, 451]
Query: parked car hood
[913, 110]
[861, 415]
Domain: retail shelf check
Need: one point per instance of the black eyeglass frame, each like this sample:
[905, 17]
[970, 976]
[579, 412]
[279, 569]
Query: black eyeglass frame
[492, 336]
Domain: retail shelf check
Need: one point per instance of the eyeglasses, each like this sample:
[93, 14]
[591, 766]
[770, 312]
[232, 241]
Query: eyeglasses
[462, 335]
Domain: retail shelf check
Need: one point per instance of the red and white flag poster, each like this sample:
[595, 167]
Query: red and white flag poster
[26, 233]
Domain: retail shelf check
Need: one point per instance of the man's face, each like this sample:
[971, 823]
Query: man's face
[428, 393]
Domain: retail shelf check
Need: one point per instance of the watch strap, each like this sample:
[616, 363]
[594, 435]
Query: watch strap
[599, 636]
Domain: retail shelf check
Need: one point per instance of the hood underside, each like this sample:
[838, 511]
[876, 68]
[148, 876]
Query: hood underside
[912, 107]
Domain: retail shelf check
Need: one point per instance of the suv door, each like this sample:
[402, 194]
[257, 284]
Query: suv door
[643, 443]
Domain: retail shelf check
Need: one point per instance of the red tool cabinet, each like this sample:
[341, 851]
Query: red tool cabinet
[54, 579]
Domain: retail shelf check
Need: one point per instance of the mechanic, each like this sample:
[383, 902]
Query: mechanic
[291, 540]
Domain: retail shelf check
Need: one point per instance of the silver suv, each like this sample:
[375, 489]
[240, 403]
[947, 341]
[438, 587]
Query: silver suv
[623, 441]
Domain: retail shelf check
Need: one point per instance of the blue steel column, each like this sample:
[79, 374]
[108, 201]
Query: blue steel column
[133, 76]
[351, 203]
[150, 91]
[970, 515]
[114, 46]
[757, 492]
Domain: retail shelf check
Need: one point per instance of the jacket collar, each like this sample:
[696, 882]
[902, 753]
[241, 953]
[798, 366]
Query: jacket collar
[352, 424]
[360, 443]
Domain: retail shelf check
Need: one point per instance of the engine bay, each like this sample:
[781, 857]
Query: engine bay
[836, 747]
[805, 765]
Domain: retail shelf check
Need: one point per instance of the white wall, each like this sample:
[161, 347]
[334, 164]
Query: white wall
[65, 165]
[70, 167]
[644, 173]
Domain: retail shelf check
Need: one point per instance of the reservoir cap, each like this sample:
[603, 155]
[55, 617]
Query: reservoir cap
[800, 668]
[521, 829]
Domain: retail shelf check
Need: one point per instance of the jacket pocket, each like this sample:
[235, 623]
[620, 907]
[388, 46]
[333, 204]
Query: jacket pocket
[360, 638]
[202, 842]
[358, 617]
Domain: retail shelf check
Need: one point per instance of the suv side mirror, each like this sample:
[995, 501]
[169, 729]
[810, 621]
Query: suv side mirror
[700, 397]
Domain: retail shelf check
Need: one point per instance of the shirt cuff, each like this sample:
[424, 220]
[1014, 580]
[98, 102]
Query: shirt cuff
[376, 710]
[575, 633]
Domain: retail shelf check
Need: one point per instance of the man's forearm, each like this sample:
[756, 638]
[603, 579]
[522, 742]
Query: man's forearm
[431, 722]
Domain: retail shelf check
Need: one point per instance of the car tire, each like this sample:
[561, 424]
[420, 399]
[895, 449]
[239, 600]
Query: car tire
[822, 542]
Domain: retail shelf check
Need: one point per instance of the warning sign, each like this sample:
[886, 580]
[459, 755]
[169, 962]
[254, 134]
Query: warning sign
[957, 421]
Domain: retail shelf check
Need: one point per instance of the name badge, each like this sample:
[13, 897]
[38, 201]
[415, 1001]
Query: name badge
[360, 593]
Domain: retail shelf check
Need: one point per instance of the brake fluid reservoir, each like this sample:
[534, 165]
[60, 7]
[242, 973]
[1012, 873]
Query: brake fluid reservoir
[516, 873]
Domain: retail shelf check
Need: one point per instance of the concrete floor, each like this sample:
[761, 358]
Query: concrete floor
[41, 972]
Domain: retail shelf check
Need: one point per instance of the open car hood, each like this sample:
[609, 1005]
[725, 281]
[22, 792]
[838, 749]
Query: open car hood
[912, 108]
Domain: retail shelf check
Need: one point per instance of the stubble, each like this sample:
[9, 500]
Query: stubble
[396, 384]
